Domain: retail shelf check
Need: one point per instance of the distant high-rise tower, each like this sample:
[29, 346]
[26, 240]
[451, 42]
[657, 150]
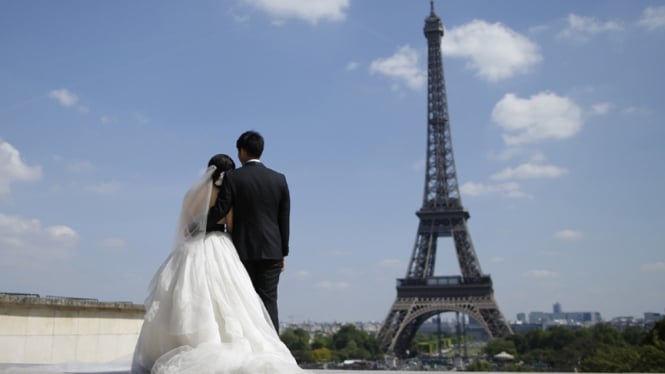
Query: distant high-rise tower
[421, 295]
[556, 308]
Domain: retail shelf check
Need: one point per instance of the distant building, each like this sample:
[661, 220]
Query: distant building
[521, 317]
[539, 317]
[556, 308]
[650, 319]
[561, 318]
[626, 321]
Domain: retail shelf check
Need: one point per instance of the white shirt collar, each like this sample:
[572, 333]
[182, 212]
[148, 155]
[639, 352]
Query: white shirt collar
[253, 160]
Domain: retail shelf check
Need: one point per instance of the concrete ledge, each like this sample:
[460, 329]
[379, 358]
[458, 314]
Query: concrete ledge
[18, 301]
[51, 330]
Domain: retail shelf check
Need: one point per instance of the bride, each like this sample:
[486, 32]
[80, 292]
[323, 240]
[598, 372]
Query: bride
[202, 313]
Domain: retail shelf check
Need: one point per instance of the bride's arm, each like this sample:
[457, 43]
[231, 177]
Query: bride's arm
[226, 220]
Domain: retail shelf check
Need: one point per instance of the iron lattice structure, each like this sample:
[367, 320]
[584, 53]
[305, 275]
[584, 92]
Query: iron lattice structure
[421, 294]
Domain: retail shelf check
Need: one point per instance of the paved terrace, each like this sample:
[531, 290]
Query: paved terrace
[7, 369]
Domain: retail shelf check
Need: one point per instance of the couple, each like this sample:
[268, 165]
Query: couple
[212, 305]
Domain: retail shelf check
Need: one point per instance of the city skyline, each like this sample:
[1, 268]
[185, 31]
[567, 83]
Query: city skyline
[109, 112]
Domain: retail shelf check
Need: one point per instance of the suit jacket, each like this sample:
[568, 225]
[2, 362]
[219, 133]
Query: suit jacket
[261, 206]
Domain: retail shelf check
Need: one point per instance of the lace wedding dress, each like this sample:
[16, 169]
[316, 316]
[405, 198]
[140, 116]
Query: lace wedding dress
[202, 313]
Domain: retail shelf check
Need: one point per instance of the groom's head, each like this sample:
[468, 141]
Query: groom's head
[250, 146]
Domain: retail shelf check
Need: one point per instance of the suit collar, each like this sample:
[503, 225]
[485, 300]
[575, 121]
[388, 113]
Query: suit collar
[253, 162]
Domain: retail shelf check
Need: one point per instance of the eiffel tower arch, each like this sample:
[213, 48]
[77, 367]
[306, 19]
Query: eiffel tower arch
[422, 295]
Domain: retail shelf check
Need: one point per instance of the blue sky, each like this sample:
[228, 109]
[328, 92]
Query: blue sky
[110, 110]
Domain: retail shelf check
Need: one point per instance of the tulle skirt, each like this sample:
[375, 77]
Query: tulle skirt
[203, 316]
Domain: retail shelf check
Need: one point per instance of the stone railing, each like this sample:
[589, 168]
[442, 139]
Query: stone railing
[46, 330]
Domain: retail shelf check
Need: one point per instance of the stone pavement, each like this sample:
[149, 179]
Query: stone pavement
[51, 369]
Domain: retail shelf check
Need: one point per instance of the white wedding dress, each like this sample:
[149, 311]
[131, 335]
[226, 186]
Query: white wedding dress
[202, 313]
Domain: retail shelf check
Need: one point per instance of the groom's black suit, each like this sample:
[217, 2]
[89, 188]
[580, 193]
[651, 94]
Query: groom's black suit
[261, 206]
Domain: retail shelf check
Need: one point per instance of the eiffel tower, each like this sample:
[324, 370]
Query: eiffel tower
[422, 295]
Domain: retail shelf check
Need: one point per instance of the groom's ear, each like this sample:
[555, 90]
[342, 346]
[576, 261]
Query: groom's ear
[242, 155]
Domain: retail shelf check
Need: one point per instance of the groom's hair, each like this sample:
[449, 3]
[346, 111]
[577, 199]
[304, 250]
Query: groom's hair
[223, 163]
[252, 142]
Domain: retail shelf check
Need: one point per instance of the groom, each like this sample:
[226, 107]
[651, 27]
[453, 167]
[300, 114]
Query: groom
[261, 206]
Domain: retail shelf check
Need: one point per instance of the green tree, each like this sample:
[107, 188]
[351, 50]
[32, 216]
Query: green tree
[320, 341]
[612, 359]
[499, 345]
[350, 342]
[344, 336]
[605, 334]
[297, 340]
[633, 335]
[557, 337]
[652, 351]
[656, 336]
[520, 342]
[321, 355]
[539, 357]
[652, 360]
[535, 338]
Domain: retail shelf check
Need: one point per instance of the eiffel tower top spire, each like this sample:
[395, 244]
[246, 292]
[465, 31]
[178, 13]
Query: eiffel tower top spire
[441, 186]
[433, 22]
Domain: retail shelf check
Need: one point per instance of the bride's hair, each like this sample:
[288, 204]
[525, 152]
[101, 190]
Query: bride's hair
[223, 163]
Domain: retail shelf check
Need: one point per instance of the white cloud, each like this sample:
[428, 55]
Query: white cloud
[511, 190]
[106, 119]
[601, 108]
[64, 97]
[67, 99]
[581, 29]
[653, 18]
[656, 266]
[332, 285]
[403, 66]
[541, 274]
[494, 51]
[539, 29]
[309, 10]
[24, 240]
[568, 234]
[352, 65]
[237, 16]
[633, 110]
[530, 171]
[13, 169]
[542, 116]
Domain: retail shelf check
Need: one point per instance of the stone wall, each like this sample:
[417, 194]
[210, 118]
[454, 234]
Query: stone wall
[48, 330]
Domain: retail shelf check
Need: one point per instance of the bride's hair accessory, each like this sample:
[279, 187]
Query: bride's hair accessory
[219, 180]
[222, 163]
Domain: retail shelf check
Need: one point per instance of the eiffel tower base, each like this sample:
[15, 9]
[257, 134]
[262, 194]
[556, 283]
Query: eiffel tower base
[416, 304]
